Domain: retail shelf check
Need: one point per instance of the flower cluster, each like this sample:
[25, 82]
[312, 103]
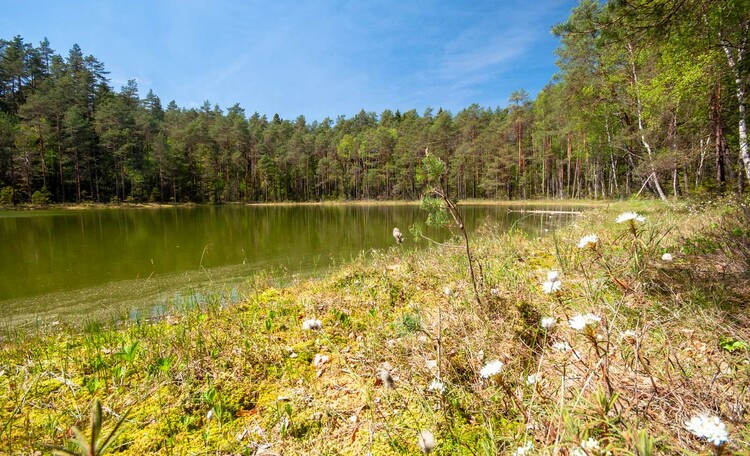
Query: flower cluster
[708, 427]
[588, 241]
[562, 346]
[312, 324]
[548, 322]
[630, 217]
[491, 369]
[426, 441]
[588, 447]
[525, 449]
[580, 322]
[553, 282]
[436, 385]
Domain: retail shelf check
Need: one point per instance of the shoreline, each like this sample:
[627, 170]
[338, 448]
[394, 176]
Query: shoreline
[465, 202]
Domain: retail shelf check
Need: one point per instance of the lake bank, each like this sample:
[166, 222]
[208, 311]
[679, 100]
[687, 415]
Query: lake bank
[470, 201]
[249, 378]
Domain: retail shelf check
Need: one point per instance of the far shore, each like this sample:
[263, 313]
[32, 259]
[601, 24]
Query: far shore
[466, 202]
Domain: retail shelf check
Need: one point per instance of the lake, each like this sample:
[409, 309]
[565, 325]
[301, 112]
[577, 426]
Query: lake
[133, 262]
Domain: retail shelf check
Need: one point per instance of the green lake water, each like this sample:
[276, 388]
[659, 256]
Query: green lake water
[134, 262]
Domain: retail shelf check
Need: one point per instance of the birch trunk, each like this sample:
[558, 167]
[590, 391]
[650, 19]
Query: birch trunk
[641, 130]
[734, 65]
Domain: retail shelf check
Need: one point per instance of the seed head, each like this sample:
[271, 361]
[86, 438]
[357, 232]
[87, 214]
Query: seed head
[426, 441]
[398, 236]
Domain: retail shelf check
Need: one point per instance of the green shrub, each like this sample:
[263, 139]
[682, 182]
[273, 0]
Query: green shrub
[6, 196]
[41, 197]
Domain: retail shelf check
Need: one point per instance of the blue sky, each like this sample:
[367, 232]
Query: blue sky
[315, 58]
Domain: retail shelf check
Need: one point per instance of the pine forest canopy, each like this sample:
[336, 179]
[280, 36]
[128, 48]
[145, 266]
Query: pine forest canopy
[651, 97]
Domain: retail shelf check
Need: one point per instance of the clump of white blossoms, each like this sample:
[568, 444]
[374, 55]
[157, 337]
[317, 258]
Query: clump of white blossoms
[630, 217]
[532, 379]
[553, 282]
[580, 322]
[548, 322]
[588, 241]
[312, 324]
[436, 385]
[590, 444]
[562, 346]
[708, 427]
[491, 369]
[398, 236]
[448, 292]
[525, 449]
[629, 336]
[667, 257]
[588, 447]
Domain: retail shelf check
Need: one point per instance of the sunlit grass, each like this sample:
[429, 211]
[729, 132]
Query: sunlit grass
[638, 347]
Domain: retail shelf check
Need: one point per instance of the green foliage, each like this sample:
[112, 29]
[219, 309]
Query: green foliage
[411, 322]
[93, 446]
[732, 345]
[437, 215]
[41, 197]
[434, 169]
[6, 196]
[640, 83]
[129, 352]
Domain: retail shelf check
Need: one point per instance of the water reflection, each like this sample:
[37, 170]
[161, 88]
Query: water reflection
[64, 263]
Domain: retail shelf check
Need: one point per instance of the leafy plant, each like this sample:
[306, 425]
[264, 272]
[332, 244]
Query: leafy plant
[6, 196]
[442, 212]
[41, 197]
[731, 344]
[129, 352]
[93, 446]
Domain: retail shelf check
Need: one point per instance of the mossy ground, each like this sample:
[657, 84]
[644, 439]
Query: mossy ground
[243, 379]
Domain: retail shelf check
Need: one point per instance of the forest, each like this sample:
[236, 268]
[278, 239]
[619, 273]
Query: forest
[650, 99]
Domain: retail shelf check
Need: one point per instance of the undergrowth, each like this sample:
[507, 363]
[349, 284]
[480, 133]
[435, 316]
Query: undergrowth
[583, 348]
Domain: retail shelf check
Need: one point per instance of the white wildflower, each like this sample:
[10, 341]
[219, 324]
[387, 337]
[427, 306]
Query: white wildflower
[628, 216]
[708, 427]
[525, 449]
[398, 236]
[562, 346]
[629, 336]
[426, 441]
[491, 369]
[384, 377]
[532, 379]
[436, 385]
[551, 287]
[320, 360]
[580, 322]
[590, 444]
[548, 322]
[589, 240]
[553, 282]
[667, 257]
[209, 415]
[312, 324]
[447, 291]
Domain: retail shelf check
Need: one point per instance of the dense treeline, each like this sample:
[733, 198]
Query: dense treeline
[651, 97]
